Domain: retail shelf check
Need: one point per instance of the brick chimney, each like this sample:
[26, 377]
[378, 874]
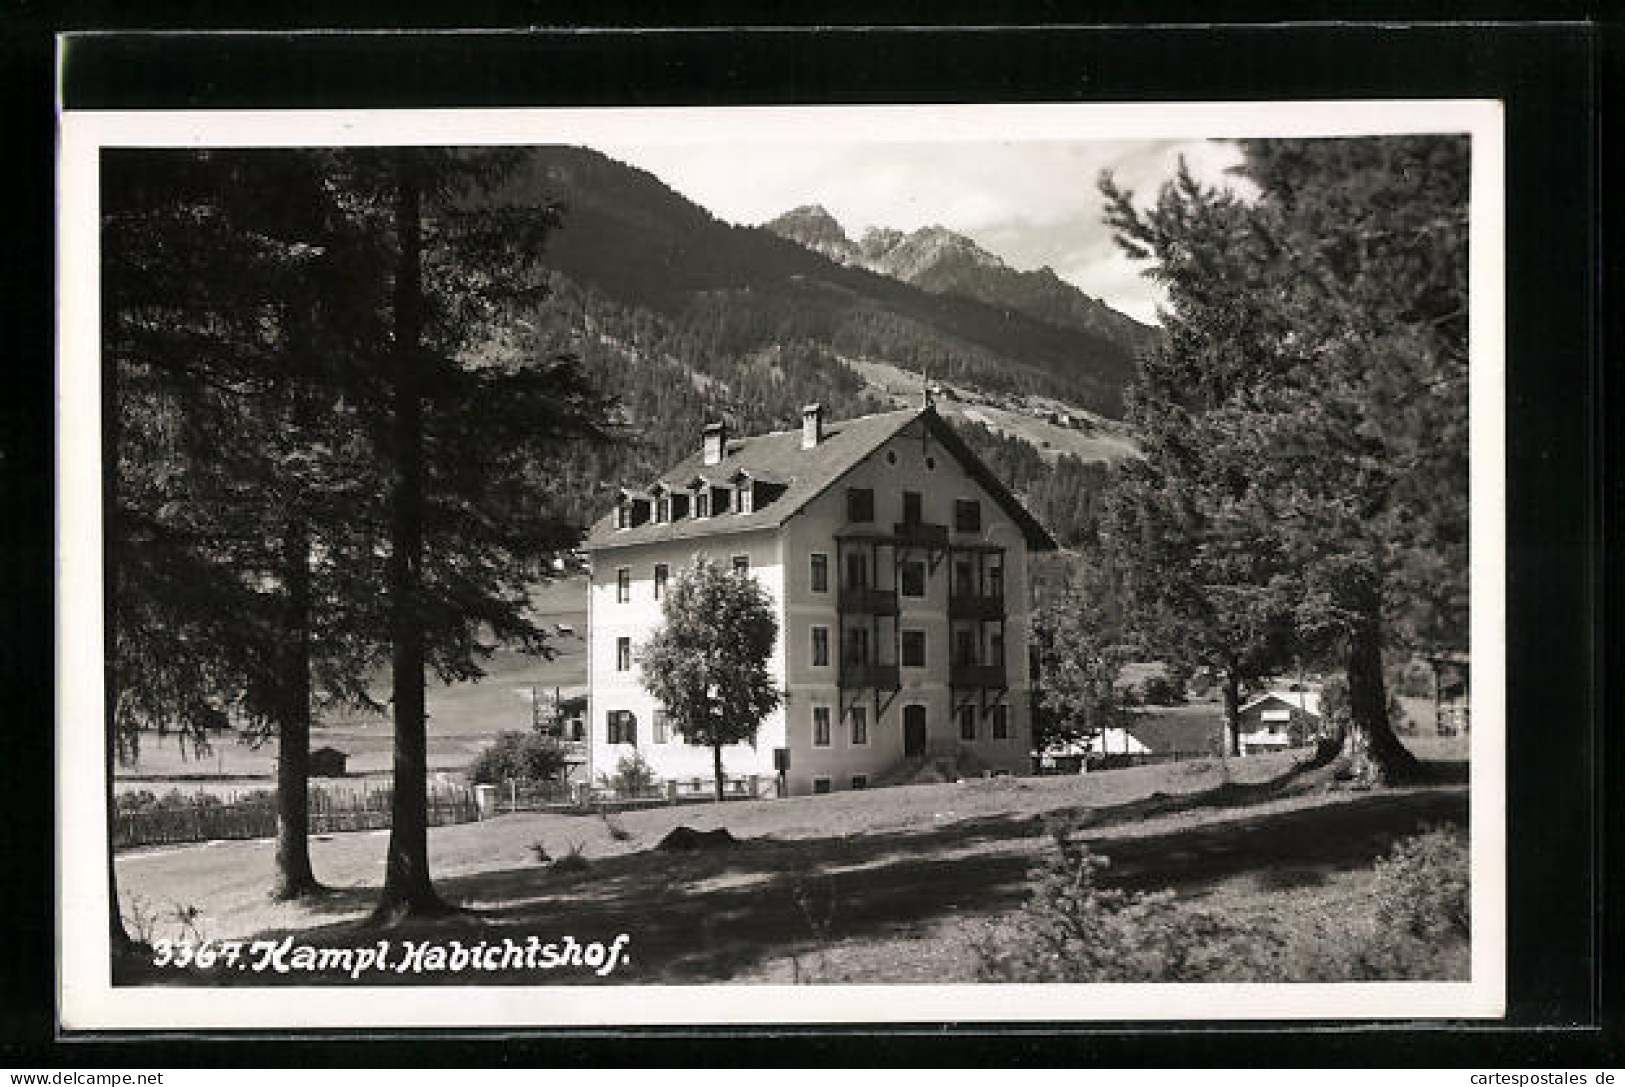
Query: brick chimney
[714, 443]
[812, 425]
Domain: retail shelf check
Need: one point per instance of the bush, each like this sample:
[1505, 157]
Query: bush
[1418, 925]
[1421, 887]
[573, 861]
[520, 756]
[1074, 930]
[633, 776]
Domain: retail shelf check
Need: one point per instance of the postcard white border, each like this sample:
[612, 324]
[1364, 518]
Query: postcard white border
[87, 1000]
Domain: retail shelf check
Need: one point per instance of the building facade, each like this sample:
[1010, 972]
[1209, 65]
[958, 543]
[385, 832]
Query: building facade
[897, 565]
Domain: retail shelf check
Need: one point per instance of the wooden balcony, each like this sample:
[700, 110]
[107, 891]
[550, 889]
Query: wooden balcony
[975, 606]
[977, 676]
[920, 534]
[880, 676]
[865, 601]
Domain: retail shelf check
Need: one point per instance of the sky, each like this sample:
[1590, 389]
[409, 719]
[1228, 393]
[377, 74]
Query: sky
[1032, 203]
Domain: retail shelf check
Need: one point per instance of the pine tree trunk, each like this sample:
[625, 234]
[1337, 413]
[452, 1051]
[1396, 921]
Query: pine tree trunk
[716, 762]
[120, 936]
[1232, 712]
[407, 889]
[1375, 752]
[294, 877]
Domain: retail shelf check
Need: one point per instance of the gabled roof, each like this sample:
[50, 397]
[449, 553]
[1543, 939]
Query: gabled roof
[806, 474]
[1308, 701]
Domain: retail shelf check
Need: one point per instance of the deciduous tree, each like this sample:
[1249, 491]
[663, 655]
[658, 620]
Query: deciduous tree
[707, 664]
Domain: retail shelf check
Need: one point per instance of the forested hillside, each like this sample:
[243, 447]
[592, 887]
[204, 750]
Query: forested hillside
[685, 319]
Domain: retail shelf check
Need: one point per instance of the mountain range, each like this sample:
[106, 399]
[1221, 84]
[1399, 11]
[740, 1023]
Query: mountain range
[630, 238]
[941, 261]
[684, 319]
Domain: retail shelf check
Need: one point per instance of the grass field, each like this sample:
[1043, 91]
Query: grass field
[462, 717]
[889, 885]
[1102, 440]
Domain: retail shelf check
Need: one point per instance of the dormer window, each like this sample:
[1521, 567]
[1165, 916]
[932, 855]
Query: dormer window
[679, 506]
[623, 513]
[719, 500]
[747, 498]
[702, 504]
[662, 509]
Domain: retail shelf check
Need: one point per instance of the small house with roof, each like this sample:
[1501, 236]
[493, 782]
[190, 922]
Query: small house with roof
[1278, 719]
[897, 564]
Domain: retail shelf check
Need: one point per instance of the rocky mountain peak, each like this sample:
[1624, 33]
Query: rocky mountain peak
[812, 226]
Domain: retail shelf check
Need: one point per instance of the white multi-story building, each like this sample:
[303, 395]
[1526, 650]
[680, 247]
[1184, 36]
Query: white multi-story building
[897, 564]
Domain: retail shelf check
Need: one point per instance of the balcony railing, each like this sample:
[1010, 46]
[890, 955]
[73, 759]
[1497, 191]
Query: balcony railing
[975, 606]
[921, 534]
[882, 676]
[971, 676]
[865, 601]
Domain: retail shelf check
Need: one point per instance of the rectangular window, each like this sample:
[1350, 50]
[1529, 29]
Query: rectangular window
[659, 729]
[967, 722]
[820, 573]
[860, 781]
[820, 726]
[820, 647]
[1001, 722]
[679, 506]
[860, 504]
[913, 649]
[702, 504]
[968, 515]
[820, 786]
[623, 515]
[741, 564]
[912, 576]
[662, 509]
[747, 499]
[995, 576]
[964, 578]
[623, 585]
[719, 500]
[623, 654]
[857, 645]
[857, 571]
[623, 727]
[860, 725]
[911, 508]
[662, 572]
[964, 647]
[995, 648]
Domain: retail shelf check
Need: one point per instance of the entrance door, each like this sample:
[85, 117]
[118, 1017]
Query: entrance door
[913, 731]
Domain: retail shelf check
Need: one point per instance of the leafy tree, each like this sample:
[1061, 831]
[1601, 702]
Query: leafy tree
[1308, 408]
[518, 756]
[707, 662]
[1080, 657]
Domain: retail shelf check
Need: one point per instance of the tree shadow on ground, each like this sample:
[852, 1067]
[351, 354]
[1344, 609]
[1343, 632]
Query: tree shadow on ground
[712, 916]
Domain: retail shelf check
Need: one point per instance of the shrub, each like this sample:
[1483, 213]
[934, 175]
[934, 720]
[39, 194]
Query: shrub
[573, 861]
[633, 775]
[1074, 930]
[1421, 886]
[521, 756]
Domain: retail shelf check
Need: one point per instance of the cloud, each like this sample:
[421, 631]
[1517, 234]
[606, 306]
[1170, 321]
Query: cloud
[1033, 203]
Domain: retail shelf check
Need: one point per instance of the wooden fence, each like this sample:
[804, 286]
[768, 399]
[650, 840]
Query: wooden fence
[331, 811]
